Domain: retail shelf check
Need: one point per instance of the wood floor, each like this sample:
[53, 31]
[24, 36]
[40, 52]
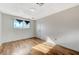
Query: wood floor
[24, 47]
[11, 48]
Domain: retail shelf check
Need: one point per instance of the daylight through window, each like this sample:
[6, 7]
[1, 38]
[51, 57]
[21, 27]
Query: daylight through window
[21, 24]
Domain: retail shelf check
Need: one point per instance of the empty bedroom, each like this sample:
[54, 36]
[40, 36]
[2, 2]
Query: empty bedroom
[39, 28]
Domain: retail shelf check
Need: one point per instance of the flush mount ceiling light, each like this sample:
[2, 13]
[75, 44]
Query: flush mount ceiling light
[40, 4]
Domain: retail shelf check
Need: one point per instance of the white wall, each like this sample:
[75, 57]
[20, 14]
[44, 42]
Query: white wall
[62, 28]
[0, 28]
[11, 34]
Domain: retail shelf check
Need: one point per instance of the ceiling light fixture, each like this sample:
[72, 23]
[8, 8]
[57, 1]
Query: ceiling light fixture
[40, 4]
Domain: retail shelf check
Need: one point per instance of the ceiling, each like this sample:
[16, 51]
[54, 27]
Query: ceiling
[37, 12]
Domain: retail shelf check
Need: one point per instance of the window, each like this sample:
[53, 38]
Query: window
[21, 24]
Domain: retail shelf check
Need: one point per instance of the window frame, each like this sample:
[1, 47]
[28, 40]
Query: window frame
[23, 24]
